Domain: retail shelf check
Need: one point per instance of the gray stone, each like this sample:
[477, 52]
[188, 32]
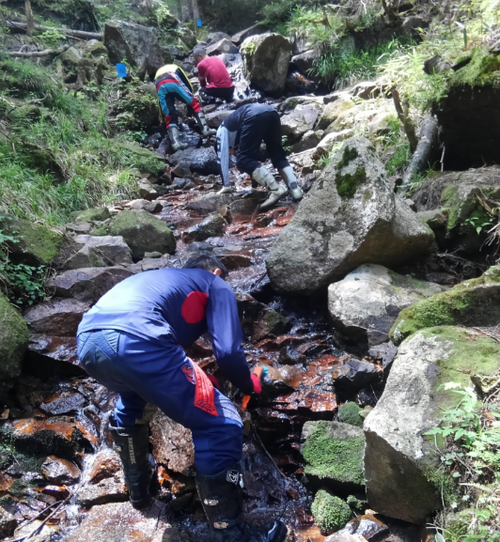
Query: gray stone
[304, 61]
[331, 234]
[402, 466]
[365, 304]
[8, 523]
[58, 317]
[91, 215]
[211, 203]
[202, 160]
[242, 35]
[308, 141]
[147, 190]
[327, 143]
[134, 43]
[212, 226]
[88, 284]
[99, 251]
[143, 233]
[224, 45]
[216, 118]
[300, 120]
[265, 62]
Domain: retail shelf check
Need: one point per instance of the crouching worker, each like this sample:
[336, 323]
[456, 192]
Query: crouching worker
[241, 134]
[132, 342]
[214, 78]
[171, 84]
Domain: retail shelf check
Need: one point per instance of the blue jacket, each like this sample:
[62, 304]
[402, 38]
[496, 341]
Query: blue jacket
[176, 305]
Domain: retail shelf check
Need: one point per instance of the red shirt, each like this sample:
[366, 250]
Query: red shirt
[212, 70]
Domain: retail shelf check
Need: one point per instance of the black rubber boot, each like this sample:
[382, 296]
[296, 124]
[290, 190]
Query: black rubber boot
[132, 443]
[221, 496]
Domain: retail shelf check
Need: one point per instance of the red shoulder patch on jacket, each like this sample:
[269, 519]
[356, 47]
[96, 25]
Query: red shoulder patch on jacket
[193, 308]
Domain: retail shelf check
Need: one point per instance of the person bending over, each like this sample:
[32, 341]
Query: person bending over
[132, 341]
[171, 84]
[241, 134]
[214, 79]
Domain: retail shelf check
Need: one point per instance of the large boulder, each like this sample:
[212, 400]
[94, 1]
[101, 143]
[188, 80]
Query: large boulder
[99, 251]
[300, 120]
[13, 340]
[34, 244]
[366, 303]
[143, 233]
[134, 43]
[57, 317]
[402, 467]
[351, 216]
[475, 302]
[265, 62]
[202, 160]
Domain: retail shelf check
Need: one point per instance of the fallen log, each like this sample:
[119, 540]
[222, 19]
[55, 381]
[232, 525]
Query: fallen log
[34, 54]
[420, 159]
[17, 25]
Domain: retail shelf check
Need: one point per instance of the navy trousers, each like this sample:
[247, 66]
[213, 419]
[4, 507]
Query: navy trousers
[145, 371]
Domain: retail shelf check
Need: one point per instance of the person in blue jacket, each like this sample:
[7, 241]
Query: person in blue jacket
[132, 341]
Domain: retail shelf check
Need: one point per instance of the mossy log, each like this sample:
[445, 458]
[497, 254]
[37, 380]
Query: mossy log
[17, 25]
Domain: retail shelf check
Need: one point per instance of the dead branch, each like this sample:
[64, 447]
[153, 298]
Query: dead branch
[324, 20]
[17, 25]
[402, 111]
[420, 157]
[33, 54]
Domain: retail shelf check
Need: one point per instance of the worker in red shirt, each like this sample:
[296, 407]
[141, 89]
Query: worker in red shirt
[214, 79]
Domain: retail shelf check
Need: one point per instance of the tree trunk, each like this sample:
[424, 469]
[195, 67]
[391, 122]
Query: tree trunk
[16, 25]
[30, 22]
[420, 159]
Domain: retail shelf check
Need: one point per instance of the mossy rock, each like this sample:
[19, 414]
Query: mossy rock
[13, 339]
[333, 452]
[35, 244]
[330, 512]
[349, 413]
[136, 109]
[91, 215]
[482, 69]
[143, 233]
[475, 302]
[143, 159]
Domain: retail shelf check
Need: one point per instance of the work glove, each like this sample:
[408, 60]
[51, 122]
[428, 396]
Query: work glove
[257, 385]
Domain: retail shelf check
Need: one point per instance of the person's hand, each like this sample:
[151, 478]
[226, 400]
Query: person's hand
[257, 385]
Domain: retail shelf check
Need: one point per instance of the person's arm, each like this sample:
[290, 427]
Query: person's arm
[223, 154]
[225, 329]
[202, 75]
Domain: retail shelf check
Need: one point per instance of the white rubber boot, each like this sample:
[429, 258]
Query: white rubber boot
[206, 131]
[264, 178]
[226, 190]
[288, 176]
[175, 138]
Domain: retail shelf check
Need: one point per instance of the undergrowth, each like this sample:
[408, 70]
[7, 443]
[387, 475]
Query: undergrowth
[471, 454]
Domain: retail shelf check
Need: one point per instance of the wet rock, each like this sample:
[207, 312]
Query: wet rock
[181, 170]
[247, 204]
[151, 524]
[300, 120]
[63, 402]
[224, 45]
[202, 160]
[368, 526]
[50, 347]
[333, 452]
[147, 190]
[8, 523]
[13, 340]
[172, 443]
[271, 323]
[146, 205]
[344, 536]
[59, 317]
[234, 260]
[99, 251]
[91, 215]
[60, 471]
[104, 482]
[355, 374]
[212, 226]
[365, 304]
[143, 233]
[349, 217]
[134, 43]
[34, 244]
[384, 353]
[210, 203]
[308, 401]
[401, 464]
[265, 62]
[216, 118]
[88, 284]
[61, 436]
[291, 356]
[304, 160]
[475, 302]
[308, 141]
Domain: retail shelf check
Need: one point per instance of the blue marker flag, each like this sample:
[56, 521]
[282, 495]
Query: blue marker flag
[121, 70]
[198, 23]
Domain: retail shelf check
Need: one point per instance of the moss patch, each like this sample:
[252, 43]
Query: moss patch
[330, 512]
[483, 69]
[348, 156]
[13, 339]
[349, 413]
[473, 303]
[348, 184]
[91, 215]
[338, 459]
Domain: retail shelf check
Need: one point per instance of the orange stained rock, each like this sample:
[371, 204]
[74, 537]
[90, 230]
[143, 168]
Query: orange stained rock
[63, 426]
[310, 399]
[283, 220]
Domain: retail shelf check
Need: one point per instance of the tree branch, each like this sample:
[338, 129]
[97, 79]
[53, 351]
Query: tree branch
[17, 25]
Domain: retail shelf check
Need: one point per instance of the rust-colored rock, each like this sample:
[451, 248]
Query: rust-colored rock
[60, 471]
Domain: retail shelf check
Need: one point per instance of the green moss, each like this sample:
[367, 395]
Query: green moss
[348, 156]
[468, 304]
[90, 215]
[337, 459]
[330, 512]
[367, 196]
[348, 184]
[349, 413]
[14, 338]
[483, 69]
